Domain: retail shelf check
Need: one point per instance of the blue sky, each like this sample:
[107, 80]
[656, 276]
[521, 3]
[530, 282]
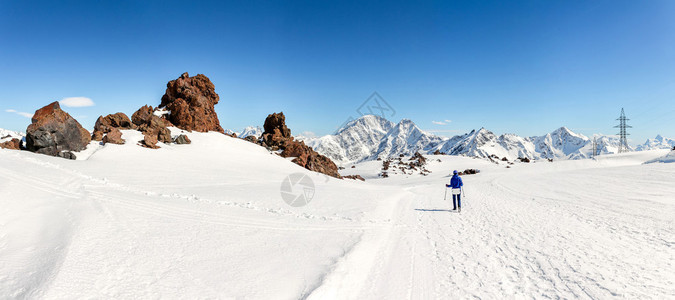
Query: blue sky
[518, 67]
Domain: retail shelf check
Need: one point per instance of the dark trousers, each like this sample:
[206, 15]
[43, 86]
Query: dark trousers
[456, 201]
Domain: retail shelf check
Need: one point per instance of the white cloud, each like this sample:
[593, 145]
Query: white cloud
[20, 113]
[309, 134]
[448, 121]
[438, 122]
[76, 102]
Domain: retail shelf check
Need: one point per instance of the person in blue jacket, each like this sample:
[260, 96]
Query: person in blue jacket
[456, 183]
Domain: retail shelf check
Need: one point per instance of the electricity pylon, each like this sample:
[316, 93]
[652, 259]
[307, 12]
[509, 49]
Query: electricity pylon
[623, 141]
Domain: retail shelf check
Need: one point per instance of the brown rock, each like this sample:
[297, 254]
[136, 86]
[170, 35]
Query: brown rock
[309, 159]
[53, 131]
[149, 124]
[114, 136]
[150, 141]
[13, 144]
[191, 101]
[276, 134]
[355, 177]
[252, 139]
[105, 124]
[182, 139]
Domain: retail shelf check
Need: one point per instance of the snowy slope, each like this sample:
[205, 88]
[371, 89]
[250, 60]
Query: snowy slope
[668, 158]
[206, 220]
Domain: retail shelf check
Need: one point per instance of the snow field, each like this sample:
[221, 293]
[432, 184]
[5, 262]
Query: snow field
[206, 220]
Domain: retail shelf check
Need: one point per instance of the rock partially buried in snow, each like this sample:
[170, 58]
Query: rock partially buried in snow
[53, 131]
[152, 125]
[191, 101]
[355, 177]
[149, 141]
[13, 144]
[309, 159]
[106, 124]
[114, 136]
[182, 140]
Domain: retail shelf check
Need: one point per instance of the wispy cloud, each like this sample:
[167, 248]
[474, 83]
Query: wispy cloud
[20, 113]
[444, 122]
[76, 102]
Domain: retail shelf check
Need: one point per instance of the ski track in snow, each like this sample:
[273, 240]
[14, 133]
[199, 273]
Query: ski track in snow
[535, 234]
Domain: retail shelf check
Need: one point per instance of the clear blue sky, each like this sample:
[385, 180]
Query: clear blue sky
[525, 68]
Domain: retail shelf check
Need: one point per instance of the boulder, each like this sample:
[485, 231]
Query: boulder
[114, 136]
[276, 134]
[13, 144]
[309, 159]
[182, 140]
[53, 130]
[149, 141]
[191, 101]
[106, 124]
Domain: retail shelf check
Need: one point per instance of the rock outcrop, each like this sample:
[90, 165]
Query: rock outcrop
[13, 144]
[54, 131]
[276, 134]
[153, 127]
[191, 101]
[309, 159]
[106, 124]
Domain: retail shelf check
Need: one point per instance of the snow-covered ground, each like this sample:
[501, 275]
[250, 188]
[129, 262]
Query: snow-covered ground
[207, 220]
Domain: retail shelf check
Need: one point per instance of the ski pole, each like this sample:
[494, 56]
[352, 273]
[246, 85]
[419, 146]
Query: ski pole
[446, 193]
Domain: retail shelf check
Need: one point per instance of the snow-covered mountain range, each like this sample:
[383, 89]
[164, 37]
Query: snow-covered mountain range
[370, 137]
[659, 142]
[250, 130]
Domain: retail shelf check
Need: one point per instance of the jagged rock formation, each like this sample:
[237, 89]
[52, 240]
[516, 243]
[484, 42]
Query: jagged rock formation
[108, 123]
[54, 132]
[190, 101]
[309, 159]
[276, 134]
[153, 127]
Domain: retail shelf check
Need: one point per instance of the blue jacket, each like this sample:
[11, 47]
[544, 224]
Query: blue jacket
[455, 182]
